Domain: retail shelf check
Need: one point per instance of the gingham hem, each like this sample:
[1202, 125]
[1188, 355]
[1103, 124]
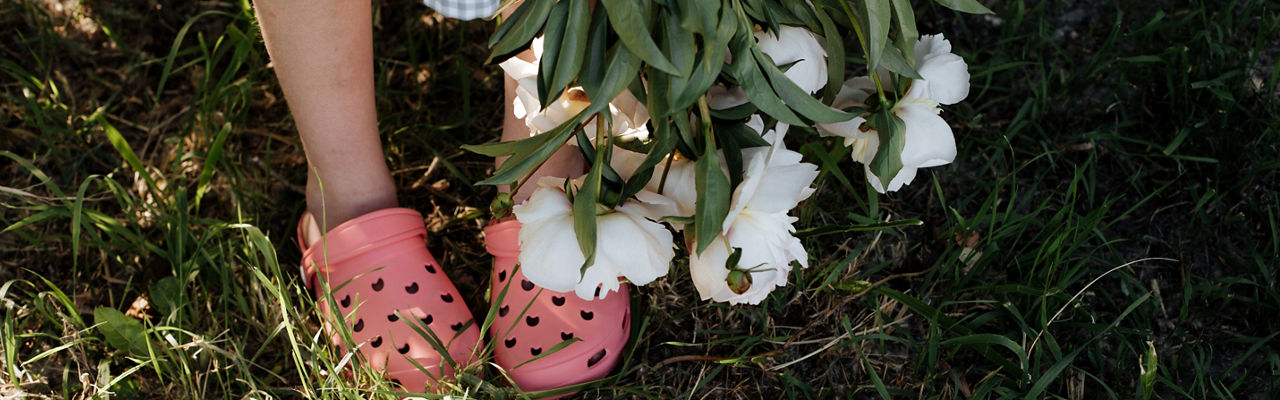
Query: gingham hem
[464, 9]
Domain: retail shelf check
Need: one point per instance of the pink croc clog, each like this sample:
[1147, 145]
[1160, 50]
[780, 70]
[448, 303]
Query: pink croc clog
[381, 274]
[602, 325]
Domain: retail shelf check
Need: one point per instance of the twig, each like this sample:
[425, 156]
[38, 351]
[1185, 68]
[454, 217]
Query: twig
[833, 342]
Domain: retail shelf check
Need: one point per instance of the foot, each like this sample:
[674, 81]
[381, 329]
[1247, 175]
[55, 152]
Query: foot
[524, 339]
[390, 293]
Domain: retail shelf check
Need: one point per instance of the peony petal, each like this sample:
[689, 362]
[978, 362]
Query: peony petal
[787, 185]
[549, 254]
[708, 271]
[720, 97]
[903, 178]
[637, 248]
[801, 47]
[931, 44]
[600, 275]
[948, 77]
[854, 92]
[929, 141]
[851, 129]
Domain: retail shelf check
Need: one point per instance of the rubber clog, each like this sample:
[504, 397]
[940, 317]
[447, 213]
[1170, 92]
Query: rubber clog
[601, 325]
[381, 274]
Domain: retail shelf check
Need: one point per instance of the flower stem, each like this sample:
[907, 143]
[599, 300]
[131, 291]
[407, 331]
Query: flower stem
[705, 116]
[866, 52]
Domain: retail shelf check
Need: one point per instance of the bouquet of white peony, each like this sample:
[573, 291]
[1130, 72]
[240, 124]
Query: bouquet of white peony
[681, 109]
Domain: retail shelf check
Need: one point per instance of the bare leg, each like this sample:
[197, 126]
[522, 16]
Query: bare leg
[322, 51]
[566, 162]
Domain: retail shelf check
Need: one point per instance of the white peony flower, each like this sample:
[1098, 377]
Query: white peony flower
[629, 118]
[774, 182]
[628, 114]
[799, 46]
[929, 141]
[629, 243]
[721, 97]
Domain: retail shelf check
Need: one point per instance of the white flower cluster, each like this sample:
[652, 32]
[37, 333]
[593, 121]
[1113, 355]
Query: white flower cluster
[758, 231]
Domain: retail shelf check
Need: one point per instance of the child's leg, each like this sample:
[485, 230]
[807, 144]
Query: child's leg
[376, 265]
[322, 52]
[565, 163]
[540, 320]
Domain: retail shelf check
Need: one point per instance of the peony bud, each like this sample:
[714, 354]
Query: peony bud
[739, 281]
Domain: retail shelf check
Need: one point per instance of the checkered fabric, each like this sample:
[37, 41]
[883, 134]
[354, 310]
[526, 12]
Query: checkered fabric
[464, 9]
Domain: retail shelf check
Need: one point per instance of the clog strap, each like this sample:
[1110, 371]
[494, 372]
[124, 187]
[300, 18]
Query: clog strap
[357, 236]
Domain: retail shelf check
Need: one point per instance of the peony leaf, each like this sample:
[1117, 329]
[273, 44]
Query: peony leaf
[710, 63]
[906, 28]
[533, 152]
[623, 69]
[894, 60]
[699, 16]
[713, 195]
[584, 209]
[518, 30]
[879, 16]
[795, 97]
[595, 60]
[123, 333]
[747, 72]
[552, 45]
[508, 148]
[969, 6]
[664, 141]
[678, 44]
[573, 45]
[835, 55]
[627, 19]
[803, 12]
[736, 113]
[888, 159]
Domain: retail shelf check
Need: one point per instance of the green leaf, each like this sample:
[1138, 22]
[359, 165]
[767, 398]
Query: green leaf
[664, 141]
[595, 61]
[574, 44]
[888, 159]
[835, 56]
[131, 158]
[552, 45]
[893, 60]
[678, 44]
[795, 97]
[906, 28]
[520, 164]
[211, 159]
[526, 21]
[623, 69]
[628, 21]
[747, 72]
[710, 63]
[713, 195]
[506, 148]
[879, 15]
[584, 210]
[165, 294]
[969, 6]
[123, 333]
[699, 16]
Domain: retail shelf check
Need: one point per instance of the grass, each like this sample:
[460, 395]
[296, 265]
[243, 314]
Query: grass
[1111, 228]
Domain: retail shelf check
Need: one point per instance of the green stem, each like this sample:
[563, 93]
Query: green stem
[705, 116]
[866, 52]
